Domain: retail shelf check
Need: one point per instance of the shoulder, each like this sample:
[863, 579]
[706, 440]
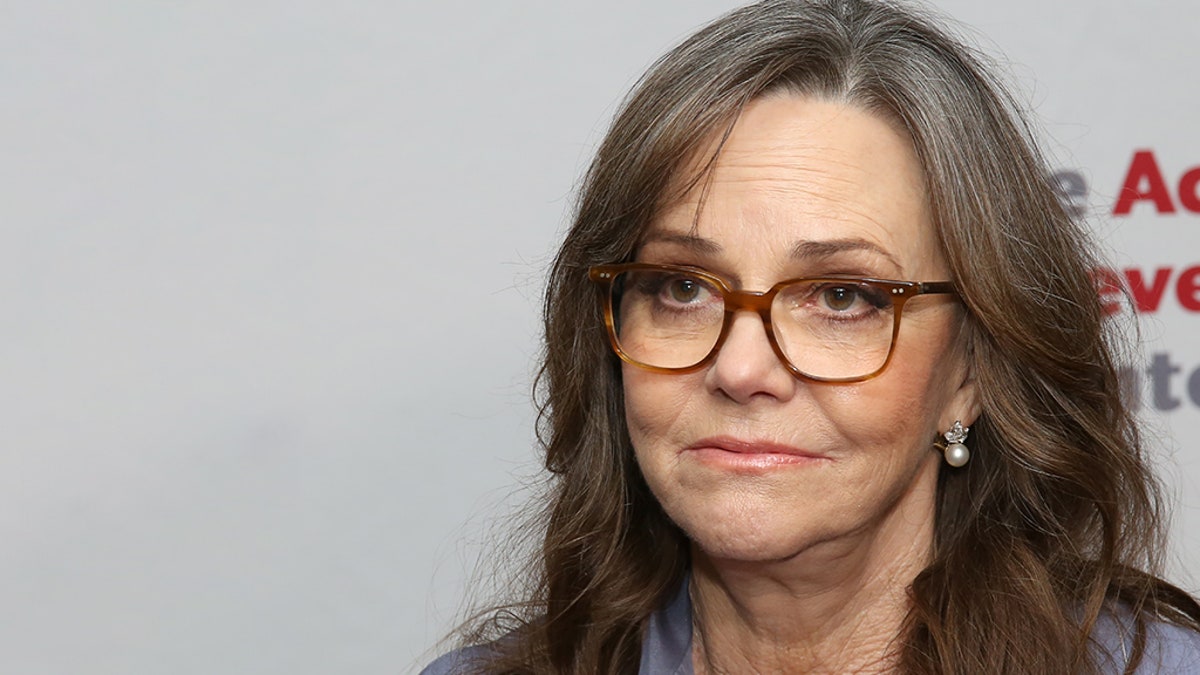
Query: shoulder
[465, 661]
[1169, 648]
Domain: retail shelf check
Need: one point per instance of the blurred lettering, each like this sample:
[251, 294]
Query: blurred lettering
[1147, 288]
[1144, 182]
[1072, 190]
[1162, 375]
[1188, 289]
[1144, 170]
[1161, 370]
[1189, 190]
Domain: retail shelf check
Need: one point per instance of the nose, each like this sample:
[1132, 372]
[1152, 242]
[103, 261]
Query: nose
[746, 367]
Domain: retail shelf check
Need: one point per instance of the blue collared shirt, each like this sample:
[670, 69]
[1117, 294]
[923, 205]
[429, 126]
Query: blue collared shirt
[667, 646]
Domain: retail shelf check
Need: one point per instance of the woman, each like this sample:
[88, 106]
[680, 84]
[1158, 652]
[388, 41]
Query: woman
[765, 458]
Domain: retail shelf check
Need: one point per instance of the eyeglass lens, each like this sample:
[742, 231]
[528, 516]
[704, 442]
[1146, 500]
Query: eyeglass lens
[825, 328]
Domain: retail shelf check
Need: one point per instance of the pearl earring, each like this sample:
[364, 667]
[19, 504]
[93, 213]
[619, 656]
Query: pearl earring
[955, 452]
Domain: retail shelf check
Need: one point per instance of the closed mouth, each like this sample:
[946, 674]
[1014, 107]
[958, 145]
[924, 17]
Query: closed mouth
[752, 448]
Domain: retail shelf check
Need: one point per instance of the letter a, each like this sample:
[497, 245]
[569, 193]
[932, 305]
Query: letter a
[1144, 167]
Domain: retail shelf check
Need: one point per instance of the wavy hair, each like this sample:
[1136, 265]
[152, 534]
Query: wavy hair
[1057, 517]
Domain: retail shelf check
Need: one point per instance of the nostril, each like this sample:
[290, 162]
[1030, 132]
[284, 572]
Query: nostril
[747, 363]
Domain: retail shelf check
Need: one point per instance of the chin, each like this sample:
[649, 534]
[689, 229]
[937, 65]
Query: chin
[746, 538]
[747, 549]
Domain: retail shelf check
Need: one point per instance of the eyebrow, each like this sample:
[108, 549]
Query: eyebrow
[697, 244]
[832, 247]
[807, 249]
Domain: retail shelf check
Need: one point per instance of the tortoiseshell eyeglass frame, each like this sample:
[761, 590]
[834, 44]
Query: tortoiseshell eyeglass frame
[736, 301]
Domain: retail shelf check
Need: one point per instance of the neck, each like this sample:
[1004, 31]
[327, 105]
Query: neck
[836, 607]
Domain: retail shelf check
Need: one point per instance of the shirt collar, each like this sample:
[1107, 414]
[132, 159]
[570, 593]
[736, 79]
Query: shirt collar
[667, 646]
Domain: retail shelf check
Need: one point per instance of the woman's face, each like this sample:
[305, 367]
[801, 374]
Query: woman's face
[753, 463]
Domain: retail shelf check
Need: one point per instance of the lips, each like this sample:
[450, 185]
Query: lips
[736, 453]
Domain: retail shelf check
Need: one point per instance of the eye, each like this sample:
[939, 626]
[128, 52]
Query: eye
[683, 290]
[839, 298]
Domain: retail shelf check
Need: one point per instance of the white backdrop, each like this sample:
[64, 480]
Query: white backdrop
[271, 274]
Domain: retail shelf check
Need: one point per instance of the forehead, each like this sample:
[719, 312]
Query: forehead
[798, 171]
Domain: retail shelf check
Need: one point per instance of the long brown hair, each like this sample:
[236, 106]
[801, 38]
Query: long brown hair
[1057, 516]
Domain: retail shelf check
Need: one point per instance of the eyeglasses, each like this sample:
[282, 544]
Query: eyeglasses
[673, 319]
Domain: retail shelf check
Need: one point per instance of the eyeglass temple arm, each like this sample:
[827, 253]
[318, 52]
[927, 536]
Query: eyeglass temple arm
[936, 287]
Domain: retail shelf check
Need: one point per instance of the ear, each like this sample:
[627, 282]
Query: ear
[963, 404]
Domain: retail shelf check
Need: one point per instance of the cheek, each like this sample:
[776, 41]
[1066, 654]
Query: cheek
[883, 432]
[660, 412]
[905, 403]
[654, 403]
